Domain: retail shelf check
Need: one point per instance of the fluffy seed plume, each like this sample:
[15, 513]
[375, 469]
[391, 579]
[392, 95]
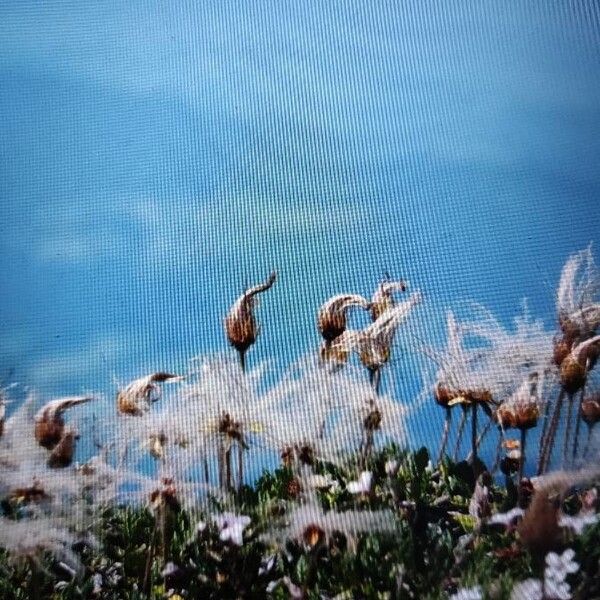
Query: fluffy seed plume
[49, 422]
[138, 396]
[332, 315]
[383, 298]
[240, 323]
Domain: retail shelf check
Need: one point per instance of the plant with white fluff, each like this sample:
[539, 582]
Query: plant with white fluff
[362, 485]
[472, 593]
[311, 526]
[231, 527]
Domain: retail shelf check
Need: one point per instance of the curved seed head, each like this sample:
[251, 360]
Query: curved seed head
[49, 423]
[383, 298]
[136, 398]
[241, 327]
[332, 318]
[62, 454]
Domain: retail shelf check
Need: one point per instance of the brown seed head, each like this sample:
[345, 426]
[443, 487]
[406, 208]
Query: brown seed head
[241, 327]
[136, 398]
[334, 352]
[49, 426]
[313, 535]
[442, 395]
[332, 319]
[31, 494]
[157, 445]
[590, 409]
[518, 415]
[572, 374]
[61, 455]
[562, 348]
[383, 298]
[165, 496]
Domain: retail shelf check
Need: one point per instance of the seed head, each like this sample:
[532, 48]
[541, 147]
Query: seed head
[332, 315]
[240, 323]
[61, 455]
[383, 298]
[49, 423]
[590, 409]
[137, 397]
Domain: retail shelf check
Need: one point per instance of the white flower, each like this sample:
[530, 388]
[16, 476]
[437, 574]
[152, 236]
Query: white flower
[579, 522]
[507, 518]
[322, 482]
[267, 565]
[530, 589]
[560, 566]
[363, 485]
[232, 527]
[557, 590]
[200, 527]
[97, 579]
[473, 593]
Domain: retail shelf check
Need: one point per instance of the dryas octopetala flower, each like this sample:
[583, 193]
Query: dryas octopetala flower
[138, 396]
[362, 485]
[383, 298]
[49, 422]
[332, 315]
[574, 368]
[231, 527]
[240, 323]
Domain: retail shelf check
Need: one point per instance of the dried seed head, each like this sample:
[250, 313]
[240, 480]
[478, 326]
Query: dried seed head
[572, 374]
[332, 315]
[313, 535]
[34, 493]
[590, 409]
[62, 454]
[383, 298]
[518, 415]
[49, 424]
[562, 348]
[165, 496]
[333, 352]
[157, 445]
[443, 395]
[294, 488]
[240, 323]
[136, 398]
[372, 421]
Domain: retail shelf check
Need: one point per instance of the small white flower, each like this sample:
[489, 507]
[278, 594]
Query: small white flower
[232, 527]
[507, 518]
[530, 589]
[473, 593]
[557, 590]
[362, 485]
[267, 565]
[579, 522]
[97, 579]
[200, 527]
[322, 482]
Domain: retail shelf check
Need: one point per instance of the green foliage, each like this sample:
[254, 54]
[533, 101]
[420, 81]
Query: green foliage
[434, 548]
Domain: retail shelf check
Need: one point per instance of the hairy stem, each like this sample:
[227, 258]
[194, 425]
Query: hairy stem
[446, 432]
[461, 427]
[549, 441]
[474, 433]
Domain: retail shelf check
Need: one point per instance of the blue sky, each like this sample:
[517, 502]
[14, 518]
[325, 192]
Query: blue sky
[157, 157]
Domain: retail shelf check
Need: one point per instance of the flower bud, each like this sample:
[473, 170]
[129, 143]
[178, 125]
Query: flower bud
[49, 426]
[590, 409]
[332, 319]
[240, 324]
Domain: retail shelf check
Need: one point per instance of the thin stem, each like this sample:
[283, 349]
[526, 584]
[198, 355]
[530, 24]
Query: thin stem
[522, 459]
[543, 435]
[228, 468]
[498, 450]
[461, 428]
[549, 442]
[480, 437]
[375, 378]
[147, 584]
[447, 422]
[568, 428]
[474, 433]
[588, 441]
[579, 417]
[242, 356]
[240, 471]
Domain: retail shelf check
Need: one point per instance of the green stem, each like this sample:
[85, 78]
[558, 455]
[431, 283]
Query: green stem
[461, 428]
[445, 434]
